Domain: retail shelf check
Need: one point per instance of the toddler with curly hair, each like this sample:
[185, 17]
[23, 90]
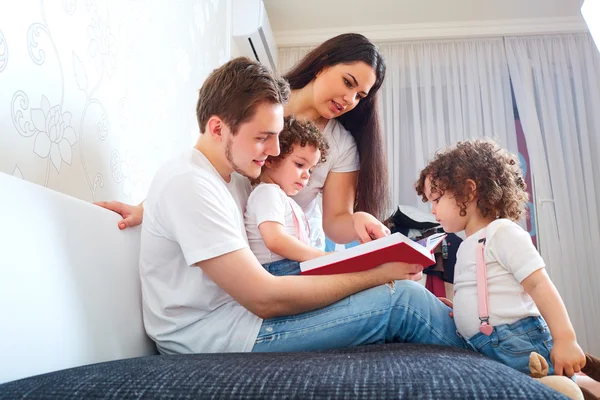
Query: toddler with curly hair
[278, 231]
[505, 305]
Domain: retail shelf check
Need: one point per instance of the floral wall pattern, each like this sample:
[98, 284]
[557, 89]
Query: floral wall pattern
[96, 94]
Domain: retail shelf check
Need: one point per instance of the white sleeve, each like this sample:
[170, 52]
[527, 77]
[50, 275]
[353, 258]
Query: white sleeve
[343, 153]
[514, 250]
[200, 218]
[268, 203]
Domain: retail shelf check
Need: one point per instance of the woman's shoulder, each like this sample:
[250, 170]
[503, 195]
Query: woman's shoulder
[335, 127]
[338, 136]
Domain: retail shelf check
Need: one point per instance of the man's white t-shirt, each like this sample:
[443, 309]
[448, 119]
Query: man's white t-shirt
[342, 157]
[510, 257]
[268, 203]
[191, 214]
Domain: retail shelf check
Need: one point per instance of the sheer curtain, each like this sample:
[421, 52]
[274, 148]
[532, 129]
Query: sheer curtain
[287, 57]
[436, 93]
[556, 81]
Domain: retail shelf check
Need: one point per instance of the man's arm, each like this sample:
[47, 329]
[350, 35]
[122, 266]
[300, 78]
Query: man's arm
[240, 274]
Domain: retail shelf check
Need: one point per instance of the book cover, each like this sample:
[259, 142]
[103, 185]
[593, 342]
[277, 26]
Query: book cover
[392, 248]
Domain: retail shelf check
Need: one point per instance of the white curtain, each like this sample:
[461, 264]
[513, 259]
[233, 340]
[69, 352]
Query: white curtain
[436, 93]
[288, 56]
[556, 81]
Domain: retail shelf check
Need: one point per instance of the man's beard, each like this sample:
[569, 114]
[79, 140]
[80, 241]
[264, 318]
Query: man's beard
[229, 156]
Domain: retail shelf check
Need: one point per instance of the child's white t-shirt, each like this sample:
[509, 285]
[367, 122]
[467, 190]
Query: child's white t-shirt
[510, 257]
[342, 157]
[268, 202]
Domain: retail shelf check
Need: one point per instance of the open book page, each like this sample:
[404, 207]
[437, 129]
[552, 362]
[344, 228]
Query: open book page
[383, 245]
[431, 242]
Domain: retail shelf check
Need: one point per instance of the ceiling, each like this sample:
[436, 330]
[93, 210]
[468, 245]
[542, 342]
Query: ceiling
[293, 15]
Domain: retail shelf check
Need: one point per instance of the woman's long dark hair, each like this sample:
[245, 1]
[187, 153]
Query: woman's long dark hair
[372, 193]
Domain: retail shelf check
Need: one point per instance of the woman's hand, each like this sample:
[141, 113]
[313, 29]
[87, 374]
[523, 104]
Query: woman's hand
[398, 271]
[368, 227]
[132, 215]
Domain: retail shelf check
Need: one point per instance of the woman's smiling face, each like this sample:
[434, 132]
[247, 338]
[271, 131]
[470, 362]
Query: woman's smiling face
[338, 89]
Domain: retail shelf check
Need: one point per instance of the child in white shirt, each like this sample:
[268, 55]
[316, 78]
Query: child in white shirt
[278, 231]
[477, 187]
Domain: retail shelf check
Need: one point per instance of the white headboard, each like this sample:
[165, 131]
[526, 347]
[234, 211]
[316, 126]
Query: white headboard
[69, 283]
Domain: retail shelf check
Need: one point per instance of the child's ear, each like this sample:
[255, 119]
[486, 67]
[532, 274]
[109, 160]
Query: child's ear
[269, 162]
[472, 188]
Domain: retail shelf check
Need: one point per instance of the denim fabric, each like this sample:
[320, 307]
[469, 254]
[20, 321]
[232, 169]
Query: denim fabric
[283, 267]
[391, 371]
[404, 312]
[332, 246]
[511, 344]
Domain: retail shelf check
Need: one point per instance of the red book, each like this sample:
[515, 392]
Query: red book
[395, 247]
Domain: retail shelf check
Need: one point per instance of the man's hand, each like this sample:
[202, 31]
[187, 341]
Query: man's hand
[567, 357]
[398, 271]
[132, 215]
[368, 228]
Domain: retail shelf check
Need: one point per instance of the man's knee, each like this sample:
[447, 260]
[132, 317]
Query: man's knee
[411, 289]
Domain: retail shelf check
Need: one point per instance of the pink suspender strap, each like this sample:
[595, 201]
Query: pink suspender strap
[482, 288]
[301, 232]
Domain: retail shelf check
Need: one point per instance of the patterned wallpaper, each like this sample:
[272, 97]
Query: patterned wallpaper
[97, 94]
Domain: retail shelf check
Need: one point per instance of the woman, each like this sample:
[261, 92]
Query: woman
[335, 86]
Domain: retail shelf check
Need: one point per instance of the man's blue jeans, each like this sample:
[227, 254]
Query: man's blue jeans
[404, 312]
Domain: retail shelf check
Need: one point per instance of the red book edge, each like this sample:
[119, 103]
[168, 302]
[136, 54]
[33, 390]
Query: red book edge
[400, 252]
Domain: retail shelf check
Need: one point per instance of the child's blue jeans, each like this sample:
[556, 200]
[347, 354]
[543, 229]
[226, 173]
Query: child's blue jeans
[283, 267]
[511, 344]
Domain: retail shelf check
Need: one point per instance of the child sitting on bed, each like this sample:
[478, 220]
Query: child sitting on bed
[478, 187]
[277, 229]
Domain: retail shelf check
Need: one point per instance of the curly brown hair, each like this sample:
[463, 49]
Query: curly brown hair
[500, 188]
[303, 133]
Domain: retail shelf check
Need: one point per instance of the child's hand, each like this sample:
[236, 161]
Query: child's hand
[567, 357]
[448, 303]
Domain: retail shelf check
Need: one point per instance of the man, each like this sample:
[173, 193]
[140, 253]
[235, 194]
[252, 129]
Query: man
[204, 290]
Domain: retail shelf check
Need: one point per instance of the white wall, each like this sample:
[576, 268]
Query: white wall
[235, 50]
[96, 94]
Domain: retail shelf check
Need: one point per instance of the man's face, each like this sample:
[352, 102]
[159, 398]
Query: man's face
[256, 139]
